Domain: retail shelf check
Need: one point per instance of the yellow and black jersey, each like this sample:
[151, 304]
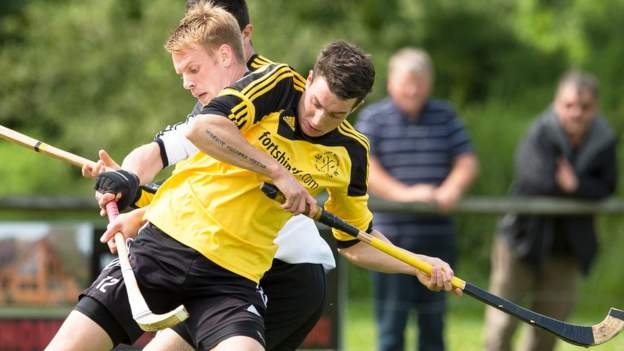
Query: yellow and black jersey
[219, 210]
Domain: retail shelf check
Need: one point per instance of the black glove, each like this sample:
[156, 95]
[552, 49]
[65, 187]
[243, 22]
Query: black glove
[121, 181]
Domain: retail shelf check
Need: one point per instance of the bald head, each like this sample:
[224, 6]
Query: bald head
[412, 60]
[579, 81]
[576, 103]
[410, 79]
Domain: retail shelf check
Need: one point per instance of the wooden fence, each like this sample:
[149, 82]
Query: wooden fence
[473, 204]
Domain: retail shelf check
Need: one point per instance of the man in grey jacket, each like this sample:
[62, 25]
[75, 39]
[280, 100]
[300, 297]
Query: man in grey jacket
[569, 152]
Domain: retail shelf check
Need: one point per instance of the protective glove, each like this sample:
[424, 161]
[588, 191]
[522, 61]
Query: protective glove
[119, 182]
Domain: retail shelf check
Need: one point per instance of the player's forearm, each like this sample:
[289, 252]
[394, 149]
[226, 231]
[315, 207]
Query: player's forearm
[144, 161]
[220, 138]
[366, 256]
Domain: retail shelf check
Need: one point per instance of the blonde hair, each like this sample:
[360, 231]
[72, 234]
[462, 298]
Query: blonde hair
[209, 26]
[412, 60]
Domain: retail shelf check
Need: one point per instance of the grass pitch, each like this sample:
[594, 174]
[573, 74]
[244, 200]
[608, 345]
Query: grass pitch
[464, 328]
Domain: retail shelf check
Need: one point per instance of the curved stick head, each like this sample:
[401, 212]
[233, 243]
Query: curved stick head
[581, 335]
[609, 327]
[155, 322]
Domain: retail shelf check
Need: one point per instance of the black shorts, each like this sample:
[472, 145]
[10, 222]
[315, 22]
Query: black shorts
[220, 303]
[296, 295]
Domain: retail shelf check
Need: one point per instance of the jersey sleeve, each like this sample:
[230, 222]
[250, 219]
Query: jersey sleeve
[351, 202]
[367, 123]
[352, 209]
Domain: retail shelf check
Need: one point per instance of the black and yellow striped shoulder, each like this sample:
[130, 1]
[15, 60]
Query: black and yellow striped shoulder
[268, 76]
[346, 129]
[358, 147]
[256, 61]
[271, 88]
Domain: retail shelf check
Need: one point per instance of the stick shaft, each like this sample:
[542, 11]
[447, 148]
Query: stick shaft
[39, 146]
[138, 305]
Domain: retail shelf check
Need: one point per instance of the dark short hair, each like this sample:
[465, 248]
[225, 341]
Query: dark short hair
[238, 9]
[349, 72]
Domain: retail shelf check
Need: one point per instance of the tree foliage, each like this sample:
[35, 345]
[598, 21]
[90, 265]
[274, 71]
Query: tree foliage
[94, 74]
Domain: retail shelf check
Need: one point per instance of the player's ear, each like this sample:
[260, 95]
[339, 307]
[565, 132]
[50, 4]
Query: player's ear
[225, 55]
[247, 31]
[310, 77]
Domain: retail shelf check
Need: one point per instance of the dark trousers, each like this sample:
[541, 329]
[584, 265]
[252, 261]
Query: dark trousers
[396, 295]
[552, 293]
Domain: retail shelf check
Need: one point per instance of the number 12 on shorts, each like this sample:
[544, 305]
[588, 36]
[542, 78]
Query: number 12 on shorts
[107, 281]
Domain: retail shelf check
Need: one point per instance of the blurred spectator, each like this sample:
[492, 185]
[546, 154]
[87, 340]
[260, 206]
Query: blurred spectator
[568, 152]
[419, 152]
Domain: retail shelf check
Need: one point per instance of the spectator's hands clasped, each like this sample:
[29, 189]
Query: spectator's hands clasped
[565, 177]
[446, 197]
[419, 193]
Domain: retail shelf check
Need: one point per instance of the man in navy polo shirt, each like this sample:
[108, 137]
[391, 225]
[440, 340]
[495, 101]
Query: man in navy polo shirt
[419, 152]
